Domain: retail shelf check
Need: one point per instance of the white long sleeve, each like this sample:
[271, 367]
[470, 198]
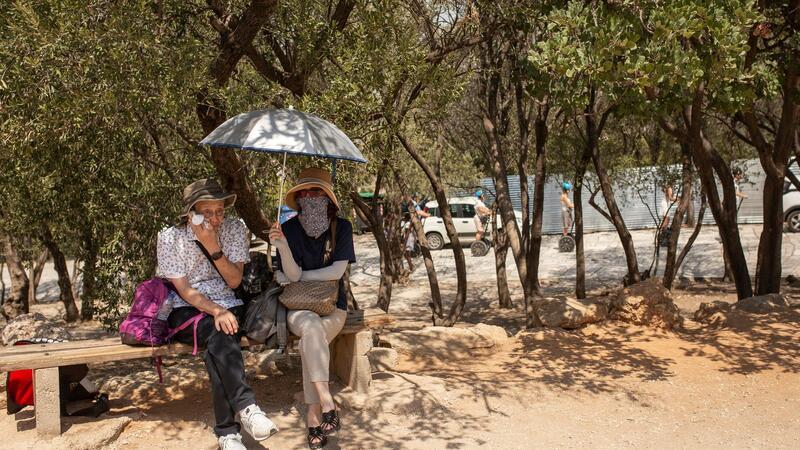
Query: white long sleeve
[294, 273]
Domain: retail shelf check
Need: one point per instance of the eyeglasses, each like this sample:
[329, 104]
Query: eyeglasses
[210, 214]
[315, 192]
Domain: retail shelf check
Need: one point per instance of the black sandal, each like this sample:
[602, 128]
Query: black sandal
[330, 422]
[316, 438]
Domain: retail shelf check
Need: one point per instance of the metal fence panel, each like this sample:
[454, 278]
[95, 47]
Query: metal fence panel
[640, 205]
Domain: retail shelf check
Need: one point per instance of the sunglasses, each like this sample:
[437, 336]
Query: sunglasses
[314, 192]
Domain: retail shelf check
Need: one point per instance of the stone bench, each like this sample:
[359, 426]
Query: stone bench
[349, 360]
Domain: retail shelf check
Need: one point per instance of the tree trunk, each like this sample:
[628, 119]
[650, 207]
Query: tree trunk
[539, 180]
[500, 251]
[37, 267]
[774, 155]
[392, 219]
[64, 283]
[17, 301]
[76, 273]
[670, 270]
[458, 252]
[373, 217]
[89, 272]
[708, 161]
[211, 111]
[577, 200]
[695, 233]
[2, 285]
[490, 90]
[593, 132]
[625, 237]
[690, 217]
[430, 269]
[768, 265]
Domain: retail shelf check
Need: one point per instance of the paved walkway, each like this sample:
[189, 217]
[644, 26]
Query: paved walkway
[605, 259]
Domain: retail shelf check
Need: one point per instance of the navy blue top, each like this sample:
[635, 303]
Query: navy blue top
[309, 253]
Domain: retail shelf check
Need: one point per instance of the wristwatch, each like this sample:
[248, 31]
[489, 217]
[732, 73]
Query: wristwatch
[216, 255]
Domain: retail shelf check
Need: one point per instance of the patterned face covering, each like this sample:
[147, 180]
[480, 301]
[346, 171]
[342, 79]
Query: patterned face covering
[314, 215]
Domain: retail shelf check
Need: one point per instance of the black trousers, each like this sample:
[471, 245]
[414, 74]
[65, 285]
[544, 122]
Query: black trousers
[230, 392]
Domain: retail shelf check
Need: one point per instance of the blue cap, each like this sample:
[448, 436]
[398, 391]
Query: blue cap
[566, 185]
[479, 192]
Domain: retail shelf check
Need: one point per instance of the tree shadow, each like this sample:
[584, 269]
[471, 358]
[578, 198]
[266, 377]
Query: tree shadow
[751, 343]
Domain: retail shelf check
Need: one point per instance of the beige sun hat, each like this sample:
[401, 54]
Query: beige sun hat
[205, 189]
[311, 177]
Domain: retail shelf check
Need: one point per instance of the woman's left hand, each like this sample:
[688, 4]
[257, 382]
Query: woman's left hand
[281, 278]
[276, 236]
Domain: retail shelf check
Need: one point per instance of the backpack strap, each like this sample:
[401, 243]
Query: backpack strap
[330, 244]
[208, 257]
[194, 320]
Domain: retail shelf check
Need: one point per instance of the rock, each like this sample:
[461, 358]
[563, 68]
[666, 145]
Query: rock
[382, 359]
[444, 344]
[762, 304]
[793, 281]
[92, 435]
[496, 334]
[474, 337]
[570, 313]
[646, 303]
[715, 314]
[33, 325]
[707, 310]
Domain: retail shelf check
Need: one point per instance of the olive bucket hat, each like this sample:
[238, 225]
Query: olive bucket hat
[205, 189]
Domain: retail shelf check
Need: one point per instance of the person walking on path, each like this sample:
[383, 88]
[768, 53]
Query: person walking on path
[482, 214]
[301, 244]
[204, 284]
[409, 235]
[667, 205]
[566, 208]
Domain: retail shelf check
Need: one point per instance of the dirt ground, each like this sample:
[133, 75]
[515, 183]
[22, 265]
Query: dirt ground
[610, 385]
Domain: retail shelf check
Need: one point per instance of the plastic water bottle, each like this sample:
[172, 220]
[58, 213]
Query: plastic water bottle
[166, 307]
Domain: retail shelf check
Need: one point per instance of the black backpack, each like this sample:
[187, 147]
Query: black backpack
[265, 319]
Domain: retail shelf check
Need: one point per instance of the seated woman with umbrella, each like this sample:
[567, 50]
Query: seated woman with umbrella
[316, 245]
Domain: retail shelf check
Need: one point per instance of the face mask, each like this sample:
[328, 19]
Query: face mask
[314, 215]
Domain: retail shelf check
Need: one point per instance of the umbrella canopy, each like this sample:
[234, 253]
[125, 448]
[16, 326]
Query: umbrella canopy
[285, 131]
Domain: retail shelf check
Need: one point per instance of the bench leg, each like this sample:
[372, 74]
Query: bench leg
[350, 361]
[46, 398]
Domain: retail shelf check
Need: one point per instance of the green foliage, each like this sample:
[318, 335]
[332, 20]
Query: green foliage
[97, 99]
[86, 99]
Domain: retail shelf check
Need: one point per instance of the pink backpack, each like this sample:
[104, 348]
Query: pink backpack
[142, 326]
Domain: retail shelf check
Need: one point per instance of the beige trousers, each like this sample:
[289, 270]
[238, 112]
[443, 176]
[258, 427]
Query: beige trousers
[316, 333]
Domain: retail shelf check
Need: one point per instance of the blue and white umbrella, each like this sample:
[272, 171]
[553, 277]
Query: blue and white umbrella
[286, 131]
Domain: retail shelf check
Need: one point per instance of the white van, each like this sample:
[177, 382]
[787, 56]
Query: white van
[463, 210]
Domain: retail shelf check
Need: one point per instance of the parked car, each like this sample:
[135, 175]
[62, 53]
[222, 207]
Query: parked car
[791, 207]
[463, 210]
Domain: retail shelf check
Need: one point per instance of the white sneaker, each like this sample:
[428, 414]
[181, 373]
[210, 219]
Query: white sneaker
[231, 442]
[256, 423]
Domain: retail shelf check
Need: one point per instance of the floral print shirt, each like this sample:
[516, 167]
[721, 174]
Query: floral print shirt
[179, 256]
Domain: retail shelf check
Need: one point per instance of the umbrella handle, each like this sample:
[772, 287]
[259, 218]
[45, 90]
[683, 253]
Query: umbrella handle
[280, 197]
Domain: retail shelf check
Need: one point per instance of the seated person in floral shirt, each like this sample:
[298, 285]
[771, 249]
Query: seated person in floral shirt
[204, 288]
